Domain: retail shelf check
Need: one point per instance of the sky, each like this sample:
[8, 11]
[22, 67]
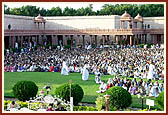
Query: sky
[62, 5]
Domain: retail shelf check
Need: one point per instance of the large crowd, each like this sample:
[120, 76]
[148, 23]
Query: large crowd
[129, 62]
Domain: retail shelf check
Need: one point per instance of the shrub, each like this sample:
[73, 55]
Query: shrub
[24, 90]
[67, 46]
[141, 45]
[19, 49]
[160, 100]
[69, 41]
[54, 46]
[47, 46]
[35, 47]
[76, 92]
[149, 45]
[119, 97]
[100, 101]
[84, 108]
[13, 49]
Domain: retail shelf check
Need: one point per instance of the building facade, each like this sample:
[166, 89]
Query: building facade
[94, 30]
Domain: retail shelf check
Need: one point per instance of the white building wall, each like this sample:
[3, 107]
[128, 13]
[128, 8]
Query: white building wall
[154, 22]
[76, 22]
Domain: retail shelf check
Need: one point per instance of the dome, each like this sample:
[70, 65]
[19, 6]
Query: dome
[126, 16]
[39, 18]
[138, 18]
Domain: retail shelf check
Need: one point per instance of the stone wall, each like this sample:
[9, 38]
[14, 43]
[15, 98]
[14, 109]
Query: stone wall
[75, 22]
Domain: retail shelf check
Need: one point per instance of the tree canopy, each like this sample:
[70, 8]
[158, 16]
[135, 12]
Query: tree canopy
[145, 10]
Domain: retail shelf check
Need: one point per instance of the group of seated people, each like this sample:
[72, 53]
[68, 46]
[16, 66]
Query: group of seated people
[134, 87]
[114, 61]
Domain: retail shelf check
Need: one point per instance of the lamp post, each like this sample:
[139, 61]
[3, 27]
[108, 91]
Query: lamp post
[107, 101]
[42, 96]
[71, 98]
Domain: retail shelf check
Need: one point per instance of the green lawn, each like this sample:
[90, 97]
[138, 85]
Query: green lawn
[55, 79]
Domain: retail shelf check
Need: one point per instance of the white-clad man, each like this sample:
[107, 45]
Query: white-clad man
[64, 70]
[102, 87]
[85, 72]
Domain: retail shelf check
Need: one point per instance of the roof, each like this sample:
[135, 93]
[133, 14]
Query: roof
[125, 16]
[138, 18]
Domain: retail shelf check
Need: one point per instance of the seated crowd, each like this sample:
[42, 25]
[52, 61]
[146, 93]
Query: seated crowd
[134, 87]
[128, 62]
[114, 61]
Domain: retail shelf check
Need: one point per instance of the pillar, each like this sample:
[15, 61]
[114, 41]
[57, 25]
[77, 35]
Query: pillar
[134, 39]
[10, 41]
[141, 25]
[96, 40]
[120, 40]
[135, 24]
[83, 36]
[130, 40]
[71, 40]
[103, 36]
[21, 41]
[52, 38]
[56, 39]
[124, 37]
[77, 41]
[108, 39]
[129, 24]
[29, 41]
[121, 25]
[13, 42]
[137, 39]
[66, 38]
[141, 37]
[162, 38]
[116, 39]
[91, 40]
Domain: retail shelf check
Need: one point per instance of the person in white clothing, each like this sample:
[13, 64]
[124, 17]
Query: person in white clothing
[98, 78]
[102, 87]
[85, 72]
[64, 70]
[151, 71]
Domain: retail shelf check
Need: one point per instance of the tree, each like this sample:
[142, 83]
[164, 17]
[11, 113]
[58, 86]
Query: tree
[146, 10]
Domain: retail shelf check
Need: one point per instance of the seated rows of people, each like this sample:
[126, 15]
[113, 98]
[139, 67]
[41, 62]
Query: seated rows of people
[133, 86]
[109, 61]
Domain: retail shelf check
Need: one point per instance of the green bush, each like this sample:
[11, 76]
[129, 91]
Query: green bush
[35, 47]
[19, 49]
[24, 90]
[69, 41]
[13, 49]
[141, 45]
[149, 45]
[67, 46]
[100, 101]
[160, 100]
[54, 46]
[119, 97]
[84, 108]
[76, 92]
[47, 46]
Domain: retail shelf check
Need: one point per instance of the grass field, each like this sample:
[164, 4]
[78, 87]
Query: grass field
[55, 79]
